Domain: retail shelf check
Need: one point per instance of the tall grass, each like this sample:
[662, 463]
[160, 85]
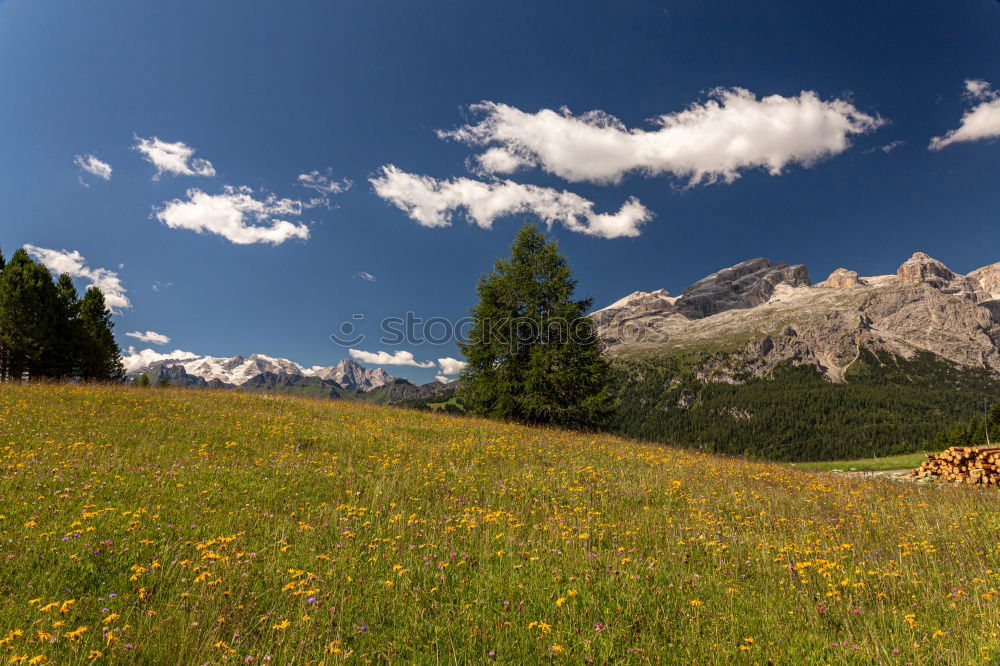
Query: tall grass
[178, 526]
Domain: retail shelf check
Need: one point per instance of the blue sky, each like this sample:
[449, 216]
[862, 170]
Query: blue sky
[267, 91]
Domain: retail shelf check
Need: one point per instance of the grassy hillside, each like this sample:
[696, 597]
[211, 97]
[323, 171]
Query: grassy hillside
[180, 526]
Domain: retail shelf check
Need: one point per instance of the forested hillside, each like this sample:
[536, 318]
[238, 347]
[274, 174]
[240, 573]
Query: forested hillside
[888, 405]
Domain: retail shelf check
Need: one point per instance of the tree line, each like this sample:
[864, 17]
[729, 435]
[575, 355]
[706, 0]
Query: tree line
[976, 431]
[47, 330]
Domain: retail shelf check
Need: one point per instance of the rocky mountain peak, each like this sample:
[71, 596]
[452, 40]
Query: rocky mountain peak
[844, 279]
[745, 285]
[355, 377]
[635, 304]
[923, 269]
[988, 279]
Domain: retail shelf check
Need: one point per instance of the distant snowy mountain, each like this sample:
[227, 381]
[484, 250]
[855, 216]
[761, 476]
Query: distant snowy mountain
[353, 376]
[234, 371]
[260, 372]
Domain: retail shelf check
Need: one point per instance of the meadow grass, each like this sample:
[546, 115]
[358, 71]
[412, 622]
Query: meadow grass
[883, 464]
[181, 526]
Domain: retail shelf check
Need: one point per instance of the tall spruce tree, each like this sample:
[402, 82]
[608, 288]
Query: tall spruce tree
[531, 355]
[100, 356]
[28, 318]
[70, 337]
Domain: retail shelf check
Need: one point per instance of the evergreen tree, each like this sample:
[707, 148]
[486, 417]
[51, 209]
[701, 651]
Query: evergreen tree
[69, 342]
[532, 355]
[29, 315]
[100, 358]
[142, 380]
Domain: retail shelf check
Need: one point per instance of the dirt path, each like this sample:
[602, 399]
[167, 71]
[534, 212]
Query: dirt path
[902, 475]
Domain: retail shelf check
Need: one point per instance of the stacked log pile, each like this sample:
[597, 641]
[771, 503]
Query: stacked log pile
[965, 464]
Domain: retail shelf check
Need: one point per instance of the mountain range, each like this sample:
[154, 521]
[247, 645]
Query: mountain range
[258, 372]
[764, 314]
[757, 355]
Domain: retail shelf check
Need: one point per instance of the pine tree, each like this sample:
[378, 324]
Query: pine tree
[69, 342]
[532, 355]
[28, 318]
[101, 357]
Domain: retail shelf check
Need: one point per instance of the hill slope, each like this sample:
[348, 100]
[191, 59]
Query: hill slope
[172, 525]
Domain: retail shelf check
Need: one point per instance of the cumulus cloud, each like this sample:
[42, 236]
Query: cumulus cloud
[236, 215]
[707, 142]
[432, 203]
[174, 158]
[95, 167]
[366, 276]
[149, 336]
[442, 378]
[980, 122]
[323, 185]
[400, 357]
[136, 360]
[499, 160]
[73, 263]
[451, 366]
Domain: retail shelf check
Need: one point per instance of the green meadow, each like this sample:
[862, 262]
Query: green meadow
[161, 525]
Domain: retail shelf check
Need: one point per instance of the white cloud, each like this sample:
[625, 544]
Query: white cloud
[149, 336]
[705, 143]
[175, 158]
[500, 160]
[977, 88]
[443, 379]
[980, 122]
[235, 215]
[134, 360]
[73, 263]
[400, 357]
[324, 185]
[366, 276]
[431, 203]
[93, 166]
[887, 148]
[451, 366]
